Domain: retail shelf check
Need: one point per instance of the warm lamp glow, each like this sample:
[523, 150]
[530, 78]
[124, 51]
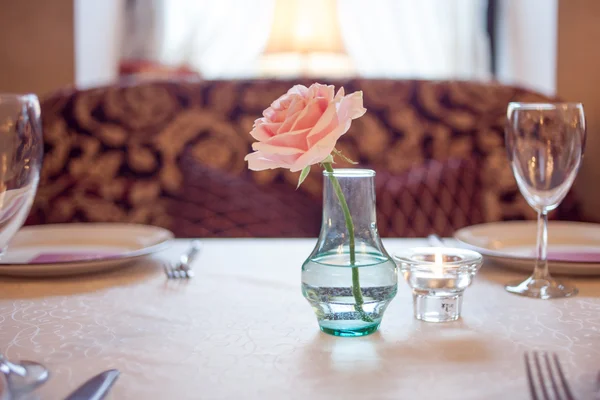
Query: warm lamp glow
[306, 40]
[305, 26]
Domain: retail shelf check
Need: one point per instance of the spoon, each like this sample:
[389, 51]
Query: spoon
[25, 376]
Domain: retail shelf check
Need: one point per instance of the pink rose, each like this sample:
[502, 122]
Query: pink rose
[302, 127]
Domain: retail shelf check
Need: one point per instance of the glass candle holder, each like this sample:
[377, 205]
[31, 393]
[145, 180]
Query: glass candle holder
[438, 276]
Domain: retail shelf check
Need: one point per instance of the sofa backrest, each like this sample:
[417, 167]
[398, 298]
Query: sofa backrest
[171, 153]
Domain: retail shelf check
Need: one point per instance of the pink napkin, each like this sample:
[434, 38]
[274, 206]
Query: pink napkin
[61, 257]
[587, 256]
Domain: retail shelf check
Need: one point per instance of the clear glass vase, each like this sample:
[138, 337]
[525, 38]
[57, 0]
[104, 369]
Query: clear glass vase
[349, 279]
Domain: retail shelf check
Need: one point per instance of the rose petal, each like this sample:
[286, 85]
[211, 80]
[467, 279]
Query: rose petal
[309, 116]
[319, 90]
[270, 149]
[296, 105]
[274, 115]
[287, 125]
[323, 103]
[258, 161]
[295, 139]
[319, 151]
[351, 106]
[264, 130]
[283, 103]
[299, 90]
[327, 123]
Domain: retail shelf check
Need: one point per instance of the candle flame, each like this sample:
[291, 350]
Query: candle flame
[438, 259]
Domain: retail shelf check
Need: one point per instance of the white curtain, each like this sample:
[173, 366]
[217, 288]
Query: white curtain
[428, 39]
[220, 38]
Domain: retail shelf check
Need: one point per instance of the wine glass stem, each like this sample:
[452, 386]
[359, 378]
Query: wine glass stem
[541, 264]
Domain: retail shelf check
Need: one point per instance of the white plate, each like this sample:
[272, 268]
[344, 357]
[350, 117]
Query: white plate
[70, 249]
[573, 247]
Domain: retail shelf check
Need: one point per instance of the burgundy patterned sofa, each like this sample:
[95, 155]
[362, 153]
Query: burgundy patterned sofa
[171, 153]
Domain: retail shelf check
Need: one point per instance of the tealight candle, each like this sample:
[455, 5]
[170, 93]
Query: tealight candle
[438, 277]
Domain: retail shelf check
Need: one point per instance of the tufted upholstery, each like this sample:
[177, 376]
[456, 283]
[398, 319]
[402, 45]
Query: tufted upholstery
[170, 153]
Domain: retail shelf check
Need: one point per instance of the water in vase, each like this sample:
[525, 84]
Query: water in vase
[327, 283]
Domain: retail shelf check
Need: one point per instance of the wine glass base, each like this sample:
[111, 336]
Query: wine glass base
[548, 288]
[35, 375]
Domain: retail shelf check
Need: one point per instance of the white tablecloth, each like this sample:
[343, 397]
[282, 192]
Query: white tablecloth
[242, 330]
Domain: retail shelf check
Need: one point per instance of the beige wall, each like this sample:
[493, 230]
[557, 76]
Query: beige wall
[578, 79]
[36, 45]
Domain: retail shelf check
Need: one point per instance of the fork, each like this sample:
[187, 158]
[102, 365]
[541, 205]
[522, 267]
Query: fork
[435, 240]
[183, 269]
[541, 372]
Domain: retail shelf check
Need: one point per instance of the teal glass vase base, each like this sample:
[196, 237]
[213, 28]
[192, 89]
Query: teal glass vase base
[349, 283]
[354, 331]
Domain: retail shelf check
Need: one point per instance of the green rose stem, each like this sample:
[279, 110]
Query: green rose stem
[356, 292]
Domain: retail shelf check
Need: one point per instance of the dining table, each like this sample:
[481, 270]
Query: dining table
[240, 329]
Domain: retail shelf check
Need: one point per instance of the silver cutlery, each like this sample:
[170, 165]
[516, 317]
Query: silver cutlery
[546, 378]
[435, 241]
[24, 376]
[183, 268]
[95, 388]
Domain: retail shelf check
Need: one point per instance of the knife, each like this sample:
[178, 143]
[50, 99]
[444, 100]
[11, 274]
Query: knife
[97, 387]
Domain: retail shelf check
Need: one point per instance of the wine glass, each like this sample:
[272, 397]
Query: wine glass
[21, 149]
[545, 143]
